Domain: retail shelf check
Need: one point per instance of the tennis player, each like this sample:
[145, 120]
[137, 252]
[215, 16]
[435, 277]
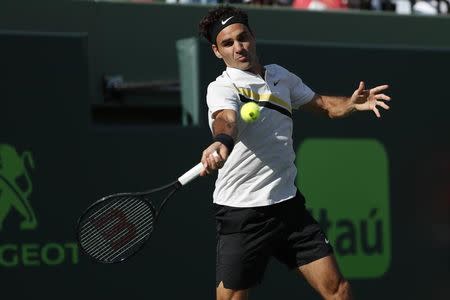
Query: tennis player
[259, 211]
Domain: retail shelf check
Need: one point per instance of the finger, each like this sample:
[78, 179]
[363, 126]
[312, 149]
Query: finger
[365, 94]
[212, 165]
[378, 89]
[382, 97]
[223, 152]
[360, 87]
[217, 159]
[204, 161]
[204, 172]
[382, 104]
[377, 112]
[215, 155]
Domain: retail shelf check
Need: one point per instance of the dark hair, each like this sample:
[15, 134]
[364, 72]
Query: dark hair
[209, 21]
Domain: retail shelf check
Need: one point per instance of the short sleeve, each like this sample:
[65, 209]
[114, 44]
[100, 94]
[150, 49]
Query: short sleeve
[300, 92]
[221, 96]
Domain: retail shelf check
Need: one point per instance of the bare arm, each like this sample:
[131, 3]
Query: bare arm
[361, 100]
[224, 123]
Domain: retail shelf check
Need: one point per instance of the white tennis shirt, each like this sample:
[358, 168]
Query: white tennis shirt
[260, 170]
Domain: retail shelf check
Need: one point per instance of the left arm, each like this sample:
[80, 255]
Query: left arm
[339, 107]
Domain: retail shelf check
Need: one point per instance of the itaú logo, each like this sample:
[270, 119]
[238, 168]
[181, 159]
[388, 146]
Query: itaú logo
[15, 193]
[346, 184]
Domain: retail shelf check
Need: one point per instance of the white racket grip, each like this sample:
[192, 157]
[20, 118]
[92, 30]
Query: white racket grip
[192, 173]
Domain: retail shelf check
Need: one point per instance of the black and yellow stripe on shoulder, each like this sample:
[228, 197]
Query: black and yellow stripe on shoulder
[266, 100]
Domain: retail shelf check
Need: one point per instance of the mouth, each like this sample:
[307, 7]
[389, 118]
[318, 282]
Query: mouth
[242, 59]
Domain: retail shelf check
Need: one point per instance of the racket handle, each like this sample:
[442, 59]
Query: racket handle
[192, 173]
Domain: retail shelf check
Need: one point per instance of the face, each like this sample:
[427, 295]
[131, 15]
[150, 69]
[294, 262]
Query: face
[236, 46]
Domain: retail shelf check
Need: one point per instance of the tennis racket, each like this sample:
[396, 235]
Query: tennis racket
[117, 226]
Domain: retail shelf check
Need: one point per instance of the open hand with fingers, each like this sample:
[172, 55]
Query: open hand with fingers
[370, 99]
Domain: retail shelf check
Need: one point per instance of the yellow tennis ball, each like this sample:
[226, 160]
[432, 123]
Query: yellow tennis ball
[250, 112]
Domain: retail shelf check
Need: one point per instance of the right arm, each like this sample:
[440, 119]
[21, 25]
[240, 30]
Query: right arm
[225, 123]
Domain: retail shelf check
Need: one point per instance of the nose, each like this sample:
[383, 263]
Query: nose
[238, 47]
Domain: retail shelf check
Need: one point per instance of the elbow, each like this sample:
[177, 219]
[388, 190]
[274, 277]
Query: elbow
[331, 111]
[332, 116]
[336, 112]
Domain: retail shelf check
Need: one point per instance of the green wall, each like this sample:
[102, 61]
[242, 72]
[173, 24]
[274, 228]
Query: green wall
[52, 57]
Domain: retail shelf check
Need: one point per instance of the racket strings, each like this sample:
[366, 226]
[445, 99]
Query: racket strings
[123, 208]
[112, 227]
[112, 230]
[114, 257]
[110, 248]
[101, 250]
[101, 213]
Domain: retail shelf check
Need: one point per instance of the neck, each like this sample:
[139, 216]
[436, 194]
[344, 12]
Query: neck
[258, 70]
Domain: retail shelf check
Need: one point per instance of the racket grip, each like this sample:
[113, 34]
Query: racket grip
[192, 173]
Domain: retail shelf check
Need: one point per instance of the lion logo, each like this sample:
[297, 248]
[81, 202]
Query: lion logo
[16, 186]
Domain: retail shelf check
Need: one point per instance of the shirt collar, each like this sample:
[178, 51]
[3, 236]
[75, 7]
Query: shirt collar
[237, 74]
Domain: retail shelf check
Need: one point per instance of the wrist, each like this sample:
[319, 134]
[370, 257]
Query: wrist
[226, 140]
[351, 107]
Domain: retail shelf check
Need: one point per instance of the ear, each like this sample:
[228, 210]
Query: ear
[216, 51]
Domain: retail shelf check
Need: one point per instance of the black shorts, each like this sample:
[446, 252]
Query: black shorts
[248, 237]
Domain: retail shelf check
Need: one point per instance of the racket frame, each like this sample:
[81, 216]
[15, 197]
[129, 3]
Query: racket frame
[155, 210]
[184, 179]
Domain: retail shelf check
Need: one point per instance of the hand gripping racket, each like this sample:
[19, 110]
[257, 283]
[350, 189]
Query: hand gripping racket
[115, 227]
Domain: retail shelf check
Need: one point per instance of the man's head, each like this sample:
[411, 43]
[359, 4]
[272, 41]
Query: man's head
[227, 29]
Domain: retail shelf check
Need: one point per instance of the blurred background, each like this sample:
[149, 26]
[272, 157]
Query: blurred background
[99, 97]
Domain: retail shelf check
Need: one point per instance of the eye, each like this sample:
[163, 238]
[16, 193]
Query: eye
[227, 44]
[243, 37]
